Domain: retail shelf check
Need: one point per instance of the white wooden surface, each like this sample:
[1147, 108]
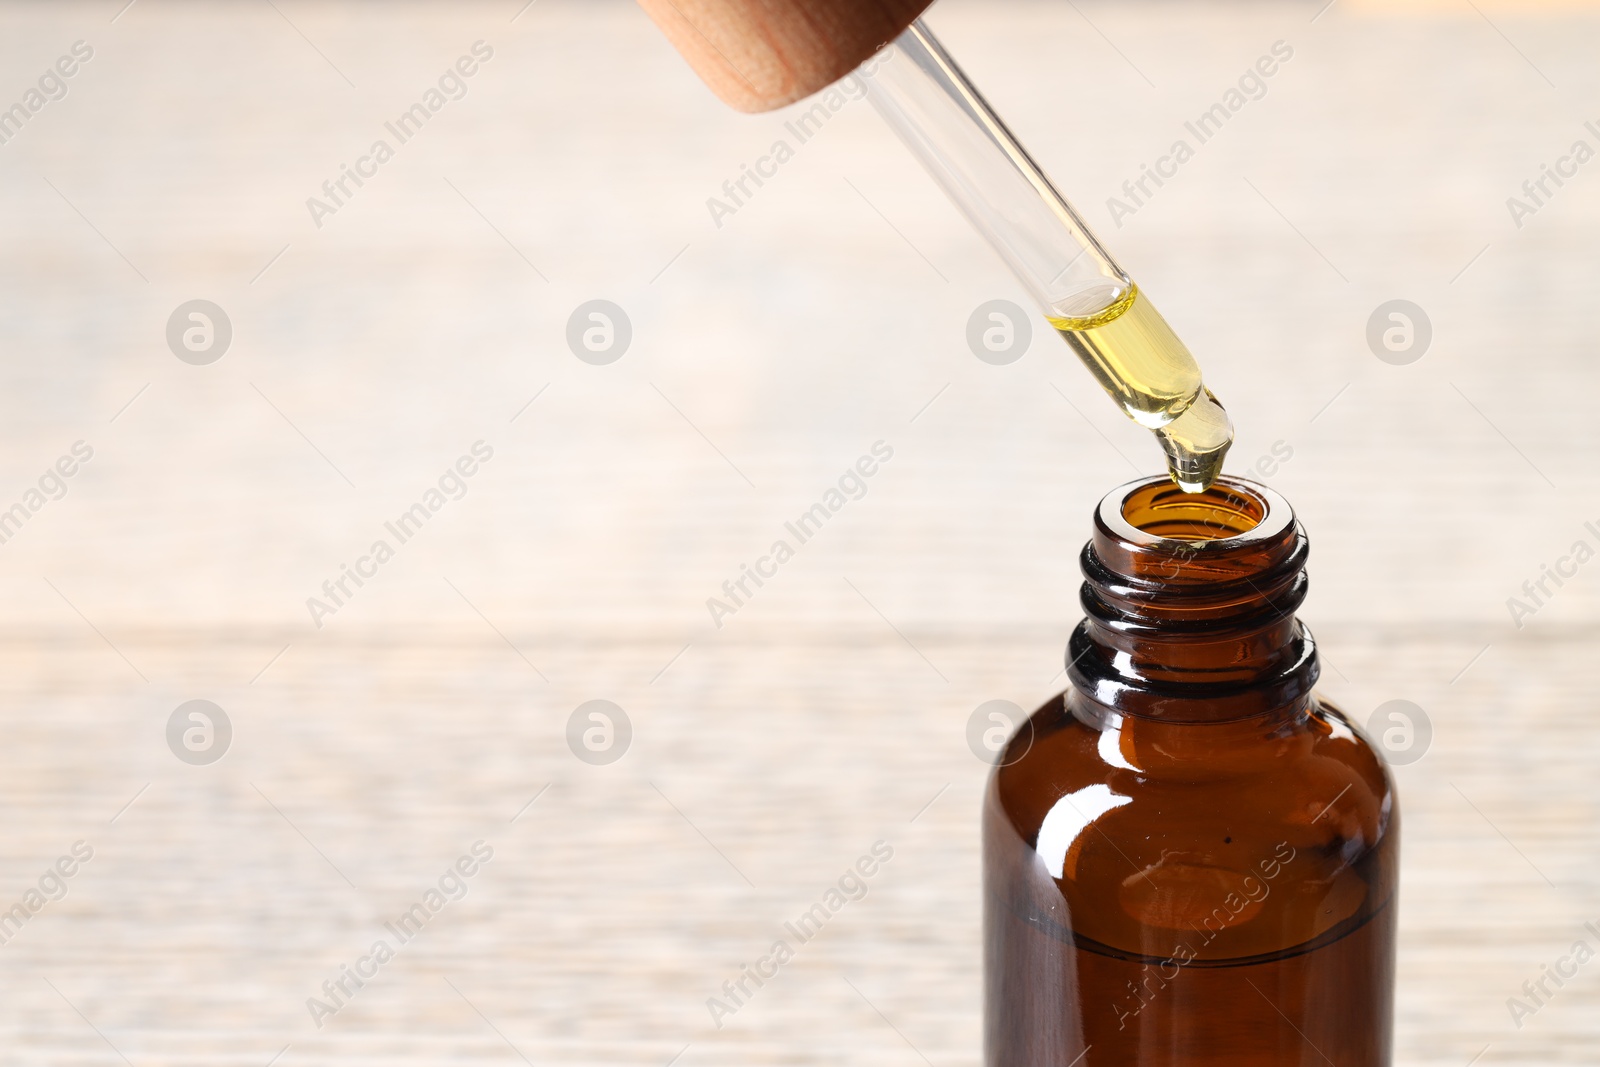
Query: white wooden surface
[820, 318]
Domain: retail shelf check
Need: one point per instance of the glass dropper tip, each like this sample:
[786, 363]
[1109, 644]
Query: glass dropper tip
[1196, 443]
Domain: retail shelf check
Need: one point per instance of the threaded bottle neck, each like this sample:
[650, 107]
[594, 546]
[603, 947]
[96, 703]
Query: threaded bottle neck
[1189, 601]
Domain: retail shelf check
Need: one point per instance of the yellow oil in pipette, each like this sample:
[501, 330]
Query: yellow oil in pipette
[927, 99]
[1139, 360]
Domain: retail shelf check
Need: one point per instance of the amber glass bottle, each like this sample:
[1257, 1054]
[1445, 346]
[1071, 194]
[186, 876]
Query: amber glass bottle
[1188, 857]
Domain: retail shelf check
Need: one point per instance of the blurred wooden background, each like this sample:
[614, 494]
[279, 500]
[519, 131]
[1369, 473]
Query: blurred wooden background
[827, 313]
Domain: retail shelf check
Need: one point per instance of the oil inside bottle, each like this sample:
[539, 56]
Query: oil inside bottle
[1139, 360]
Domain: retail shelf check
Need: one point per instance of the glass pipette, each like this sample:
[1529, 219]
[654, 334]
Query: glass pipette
[1108, 322]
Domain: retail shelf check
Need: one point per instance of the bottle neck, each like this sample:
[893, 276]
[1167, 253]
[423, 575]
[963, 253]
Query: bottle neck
[1189, 602]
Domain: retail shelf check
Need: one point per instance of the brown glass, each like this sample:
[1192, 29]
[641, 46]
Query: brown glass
[1188, 857]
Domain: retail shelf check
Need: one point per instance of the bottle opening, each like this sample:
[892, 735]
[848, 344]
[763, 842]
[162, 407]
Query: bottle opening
[1161, 509]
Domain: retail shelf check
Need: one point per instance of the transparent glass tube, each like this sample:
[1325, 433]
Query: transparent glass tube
[926, 99]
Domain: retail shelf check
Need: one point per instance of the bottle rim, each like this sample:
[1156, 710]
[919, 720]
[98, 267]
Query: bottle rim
[1154, 514]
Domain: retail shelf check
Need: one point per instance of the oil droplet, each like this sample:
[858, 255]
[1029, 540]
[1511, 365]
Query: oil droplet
[1196, 442]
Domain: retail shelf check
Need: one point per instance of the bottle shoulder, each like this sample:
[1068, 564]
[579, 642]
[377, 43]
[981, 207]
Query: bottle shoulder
[1307, 765]
[1291, 821]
